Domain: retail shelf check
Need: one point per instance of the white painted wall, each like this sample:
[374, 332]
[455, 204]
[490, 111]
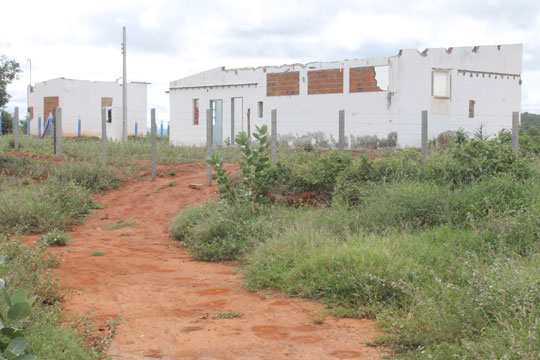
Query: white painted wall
[81, 99]
[406, 79]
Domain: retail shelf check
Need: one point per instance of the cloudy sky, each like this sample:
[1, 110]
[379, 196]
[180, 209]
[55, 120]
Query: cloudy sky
[168, 39]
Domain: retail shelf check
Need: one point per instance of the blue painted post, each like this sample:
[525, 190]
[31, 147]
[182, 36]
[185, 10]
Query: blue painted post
[168, 130]
[161, 133]
[79, 128]
[136, 131]
[51, 122]
[39, 126]
[0, 123]
[28, 125]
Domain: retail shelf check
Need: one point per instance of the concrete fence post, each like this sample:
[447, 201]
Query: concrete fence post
[341, 144]
[273, 135]
[104, 136]
[209, 139]
[79, 128]
[424, 141]
[168, 130]
[154, 130]
[161, 132]
[16, 128]
[232, 121]
[51, 125]
[515, 131]
[39, 126]
[136, 131]
[58, 130]
[0, 123]
[28, 125]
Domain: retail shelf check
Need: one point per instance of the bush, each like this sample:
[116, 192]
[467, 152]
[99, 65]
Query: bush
[314, 172]
[42, 207]
[47, 337]
[232, 231]
[93, 177]
[55, 238]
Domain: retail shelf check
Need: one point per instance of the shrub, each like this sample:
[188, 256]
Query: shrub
[233, 230]
[42, 207]
[55, 238]
[93, 177]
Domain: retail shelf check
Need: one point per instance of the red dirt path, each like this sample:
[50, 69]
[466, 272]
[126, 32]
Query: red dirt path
[167, 299]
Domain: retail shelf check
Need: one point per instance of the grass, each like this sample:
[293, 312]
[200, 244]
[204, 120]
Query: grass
[98, 253]
[122, 224]
[227, 315]
[45, 334]
[443, 252]
[55, 238]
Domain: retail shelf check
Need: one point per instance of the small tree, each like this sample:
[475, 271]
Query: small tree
[7, 122]
[251, 182]
[9, 71]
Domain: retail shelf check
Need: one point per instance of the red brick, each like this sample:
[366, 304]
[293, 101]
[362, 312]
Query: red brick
[283, 84]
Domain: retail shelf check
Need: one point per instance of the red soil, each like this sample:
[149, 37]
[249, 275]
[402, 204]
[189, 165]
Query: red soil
[167, 299]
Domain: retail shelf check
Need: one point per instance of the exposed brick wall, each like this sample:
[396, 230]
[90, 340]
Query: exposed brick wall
[283, 84]
[49, 104]
[106, 102]
[362, 79]
[31, 112]
[325, 82]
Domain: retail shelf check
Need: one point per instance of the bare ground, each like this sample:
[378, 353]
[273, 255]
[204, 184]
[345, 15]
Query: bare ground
[167, 299]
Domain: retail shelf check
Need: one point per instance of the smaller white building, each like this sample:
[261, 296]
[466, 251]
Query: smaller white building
[81, 102]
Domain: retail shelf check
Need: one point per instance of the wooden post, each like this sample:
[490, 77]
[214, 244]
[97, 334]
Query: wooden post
[515, 131]
[154, 130]
[274, 143]
[341, 144]
[209, 140]
[16, 128]
[104, 136]
[424, 140]
[58, 128]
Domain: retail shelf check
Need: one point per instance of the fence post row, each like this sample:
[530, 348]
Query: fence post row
[16, 128]
[154, 130]
[58, 130]
[424, 140]
[209, 139]
[515, 131]
[341, 144]
[274, 137]
[104, 136]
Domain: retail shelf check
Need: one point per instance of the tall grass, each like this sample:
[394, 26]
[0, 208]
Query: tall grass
[443, 252]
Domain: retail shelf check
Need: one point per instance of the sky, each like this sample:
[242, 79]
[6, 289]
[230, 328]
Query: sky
[168, 40]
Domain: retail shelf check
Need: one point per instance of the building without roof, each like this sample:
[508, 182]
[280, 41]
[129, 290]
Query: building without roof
[83, 100]
[461, 87]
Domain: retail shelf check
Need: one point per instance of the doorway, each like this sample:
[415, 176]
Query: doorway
[216, 107]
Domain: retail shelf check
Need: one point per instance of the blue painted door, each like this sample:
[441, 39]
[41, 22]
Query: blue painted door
[217, 121]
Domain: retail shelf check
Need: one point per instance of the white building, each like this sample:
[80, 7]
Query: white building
[83, 100]
[462, 87]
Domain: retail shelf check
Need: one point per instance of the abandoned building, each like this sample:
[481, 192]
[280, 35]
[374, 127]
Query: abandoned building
[460, 87]
[81, 102]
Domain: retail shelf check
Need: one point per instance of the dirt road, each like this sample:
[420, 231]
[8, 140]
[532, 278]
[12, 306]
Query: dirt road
[168, 300]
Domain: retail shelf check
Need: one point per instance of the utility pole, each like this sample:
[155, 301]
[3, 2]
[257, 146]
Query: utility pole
[30, 61]
[124, 87]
